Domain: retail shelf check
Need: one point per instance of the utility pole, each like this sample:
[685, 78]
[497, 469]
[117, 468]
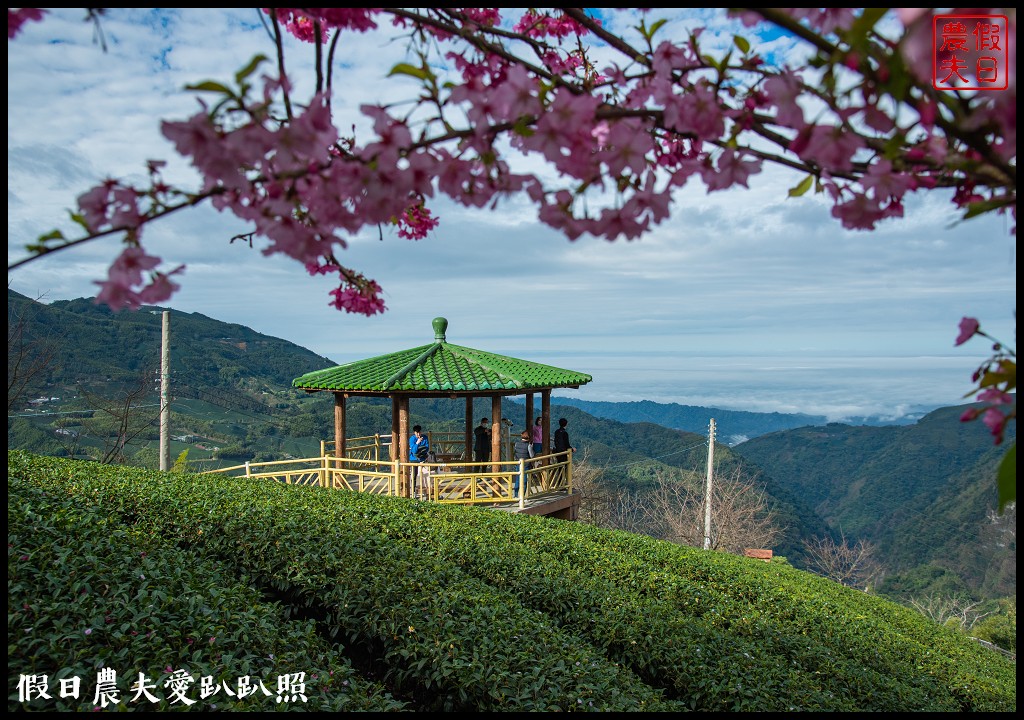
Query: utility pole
[707, 493]
[165, 393]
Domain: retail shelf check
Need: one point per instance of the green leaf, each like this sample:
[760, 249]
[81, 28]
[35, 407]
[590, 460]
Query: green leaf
[52, 235]
[250, 68]
[1007, 478]
[210, 86]
[980, 208]
[655, 26]
[802, 187]
[410, 70]
[742, 43]
[1005, 372]
[646, 32]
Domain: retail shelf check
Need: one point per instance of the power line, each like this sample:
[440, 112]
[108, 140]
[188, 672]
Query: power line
[654, 457]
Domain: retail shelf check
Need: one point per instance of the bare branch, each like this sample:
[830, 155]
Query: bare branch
[853, 566]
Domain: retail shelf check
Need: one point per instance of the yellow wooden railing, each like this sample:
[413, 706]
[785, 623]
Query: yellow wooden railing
[451, 481]
[449, 445]
[368, 447]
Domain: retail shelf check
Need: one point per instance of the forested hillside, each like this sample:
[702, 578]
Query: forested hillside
[93, 347]
[924, 494]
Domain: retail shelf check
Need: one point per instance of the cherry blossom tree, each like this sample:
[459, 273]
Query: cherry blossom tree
[996, 390]
[619, 121]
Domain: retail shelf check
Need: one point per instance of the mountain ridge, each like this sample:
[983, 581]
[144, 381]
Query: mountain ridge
[916, 490]
[735, 426]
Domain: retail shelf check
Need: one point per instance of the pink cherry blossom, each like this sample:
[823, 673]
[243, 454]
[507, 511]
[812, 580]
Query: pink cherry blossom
[17, 17]
[541, 25]
[359, 19]
[130, 264]
[732, 169]
[160, 289]
[995, 421]
[884, 182]
[365, 300]
[968, 328]
[827, 146]
[860, 212]
[784, 89]
[416, 222]
[486, 17]
[995, 396]
[118, 291]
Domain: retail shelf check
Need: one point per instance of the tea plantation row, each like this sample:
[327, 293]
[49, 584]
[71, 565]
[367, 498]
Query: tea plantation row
[381, 604]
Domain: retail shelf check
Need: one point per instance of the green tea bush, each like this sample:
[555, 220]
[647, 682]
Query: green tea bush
[423, 607]
[87, 593]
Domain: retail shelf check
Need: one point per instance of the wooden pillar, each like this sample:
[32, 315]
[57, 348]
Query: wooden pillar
[396, 430]
[339, 425]
[495, 432]
[404, 431]
[529, 415]
[470, 424]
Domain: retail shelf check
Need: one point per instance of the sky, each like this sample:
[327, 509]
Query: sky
[744, 300]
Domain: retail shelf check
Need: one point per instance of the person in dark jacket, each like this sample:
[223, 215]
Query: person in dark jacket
[523, 450]
[562, 437]
[482, 443]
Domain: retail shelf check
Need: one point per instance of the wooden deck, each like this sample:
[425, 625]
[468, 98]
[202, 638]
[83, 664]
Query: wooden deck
[558, 504]
[547, 486]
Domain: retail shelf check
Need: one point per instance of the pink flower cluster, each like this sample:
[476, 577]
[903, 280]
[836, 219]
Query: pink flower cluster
[1000, 411]
[127, 273]
[996, 379]
[541, 25]
[416, 222]
[300, 22]
[17, 17]
[364, 301]
[355, 293]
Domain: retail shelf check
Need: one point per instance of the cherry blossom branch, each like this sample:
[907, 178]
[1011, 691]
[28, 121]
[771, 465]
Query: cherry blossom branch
[613, 40]
[41, 250]
[642, 134]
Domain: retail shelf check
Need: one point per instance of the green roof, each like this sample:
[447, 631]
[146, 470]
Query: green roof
[440, 367]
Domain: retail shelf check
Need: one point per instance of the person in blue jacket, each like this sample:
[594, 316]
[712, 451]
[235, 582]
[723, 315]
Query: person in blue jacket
[419, 451]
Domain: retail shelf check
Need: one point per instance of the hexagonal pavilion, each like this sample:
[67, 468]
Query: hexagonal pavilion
[441, 369]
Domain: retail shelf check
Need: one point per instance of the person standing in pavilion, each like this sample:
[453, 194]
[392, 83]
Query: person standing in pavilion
[562, 443]
[523, 450]
[419, 452]
[482, 442]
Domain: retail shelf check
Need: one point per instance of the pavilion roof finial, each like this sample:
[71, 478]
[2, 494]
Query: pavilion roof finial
[440, 325]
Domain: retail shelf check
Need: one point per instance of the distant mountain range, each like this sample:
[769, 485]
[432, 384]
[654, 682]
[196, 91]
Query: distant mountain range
[734, 426]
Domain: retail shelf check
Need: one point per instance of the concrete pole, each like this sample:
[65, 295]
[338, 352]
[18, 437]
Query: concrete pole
[165, 393]
[707, 494]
